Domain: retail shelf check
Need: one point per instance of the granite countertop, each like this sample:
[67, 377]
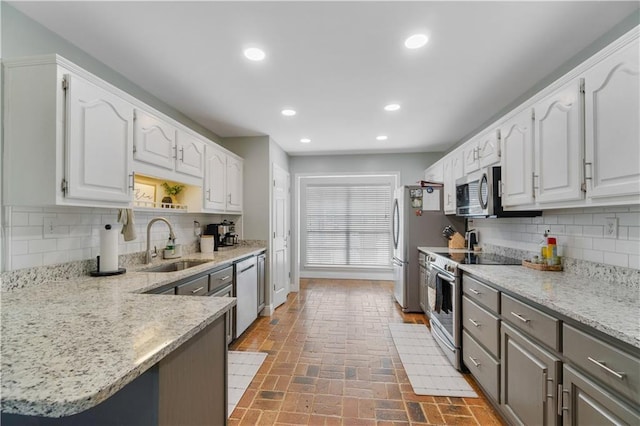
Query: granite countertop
[69, 345]
[611, 308]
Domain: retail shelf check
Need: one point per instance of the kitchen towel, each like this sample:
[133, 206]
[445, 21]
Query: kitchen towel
[108, 249]
[125, 217]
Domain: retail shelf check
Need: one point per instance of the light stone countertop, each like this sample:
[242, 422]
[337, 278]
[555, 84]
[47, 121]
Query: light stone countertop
[69, 345]
[610, 307]
[613, 309]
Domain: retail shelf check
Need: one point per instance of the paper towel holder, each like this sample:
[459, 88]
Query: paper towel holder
[98, 273]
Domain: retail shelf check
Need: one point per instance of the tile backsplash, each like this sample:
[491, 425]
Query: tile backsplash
[580, 233]
[39, 236]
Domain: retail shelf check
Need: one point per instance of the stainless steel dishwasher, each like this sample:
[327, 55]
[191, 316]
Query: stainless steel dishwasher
[246, 294]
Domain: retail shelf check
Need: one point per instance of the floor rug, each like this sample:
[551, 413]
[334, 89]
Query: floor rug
[241, 369]
[429, 370]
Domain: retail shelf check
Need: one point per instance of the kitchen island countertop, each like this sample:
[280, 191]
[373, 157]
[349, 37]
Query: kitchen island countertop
[69, 345]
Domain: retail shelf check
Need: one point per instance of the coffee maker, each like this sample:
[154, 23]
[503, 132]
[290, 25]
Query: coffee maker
[224, 234]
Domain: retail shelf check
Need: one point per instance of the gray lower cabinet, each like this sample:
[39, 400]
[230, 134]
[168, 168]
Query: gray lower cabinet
[530, 378]
[584, 402]
[196, 287]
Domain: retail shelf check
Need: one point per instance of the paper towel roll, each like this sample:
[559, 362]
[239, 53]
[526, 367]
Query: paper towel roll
[108, 249]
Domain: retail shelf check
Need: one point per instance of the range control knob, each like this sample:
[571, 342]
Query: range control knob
[450, 268]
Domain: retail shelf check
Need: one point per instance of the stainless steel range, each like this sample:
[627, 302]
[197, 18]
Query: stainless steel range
[444, 295]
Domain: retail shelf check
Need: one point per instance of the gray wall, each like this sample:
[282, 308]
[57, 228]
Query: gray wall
[410, 166]
[22, 36]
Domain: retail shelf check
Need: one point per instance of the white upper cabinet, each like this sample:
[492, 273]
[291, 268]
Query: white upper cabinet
[223, 181]
[158, 144]
[190, 155]
[98, 146]
[435, 172]
[234, 184]
[558, 145]
[517, 159]
[471, 158]
[452, 170]
[612, 116]
[489, 148]
[68, 137]
[154, 140]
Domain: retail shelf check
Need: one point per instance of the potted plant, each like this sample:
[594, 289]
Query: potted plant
[171, 191]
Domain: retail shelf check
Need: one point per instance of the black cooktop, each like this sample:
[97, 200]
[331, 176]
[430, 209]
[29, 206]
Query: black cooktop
[480, 258]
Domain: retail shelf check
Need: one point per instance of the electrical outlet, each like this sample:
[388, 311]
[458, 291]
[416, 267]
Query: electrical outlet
[49, 227]
[611, 227]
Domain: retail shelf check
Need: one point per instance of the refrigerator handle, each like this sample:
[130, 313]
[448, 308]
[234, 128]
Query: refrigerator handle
[395, 223]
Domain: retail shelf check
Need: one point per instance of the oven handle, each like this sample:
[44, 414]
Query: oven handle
[436, 333]
[446, 277]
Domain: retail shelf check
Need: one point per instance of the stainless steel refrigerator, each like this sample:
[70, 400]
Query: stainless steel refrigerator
[417, 221]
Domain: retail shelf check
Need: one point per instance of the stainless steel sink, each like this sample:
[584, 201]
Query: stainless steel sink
[175, 266]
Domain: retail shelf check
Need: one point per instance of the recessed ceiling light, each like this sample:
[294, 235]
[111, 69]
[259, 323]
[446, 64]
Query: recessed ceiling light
[416, 41]
[305, 140]
[382, 138]
[254, 54]
[288, 112]
[392, 107]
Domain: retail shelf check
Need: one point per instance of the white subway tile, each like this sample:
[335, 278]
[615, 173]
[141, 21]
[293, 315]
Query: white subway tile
[23, 209]
[604, 244]
[593, 231]
[550, 220]
[601, 218]
[617, 259]
[60, 231]
[573, 252]
[623, 232]
[628, 219]
[532, 229]
[583, 219]
[593, 255]
[20, 219]
[19, 247]
[26, 232]
[537, 219]
[37, 219]
[78, 231]
[634, 233]
[41, 246]
[557, 229]
[69, 243]
[55, 257]
[79, 254]
[26, 261]
[634, 261]
[628, 247]
[573, 230]
[565, 219]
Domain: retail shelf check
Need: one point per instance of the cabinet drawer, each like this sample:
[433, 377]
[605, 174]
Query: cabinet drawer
[532, 321]
[197, 287]
[481, 293]
[171, 290]
[603, 361]
[482, 325]
[220, 278]
[482, 365]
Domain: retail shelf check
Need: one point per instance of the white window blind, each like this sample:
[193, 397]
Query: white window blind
[347, 224]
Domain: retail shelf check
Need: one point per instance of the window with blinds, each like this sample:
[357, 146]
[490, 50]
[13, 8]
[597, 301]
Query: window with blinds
[347, 224]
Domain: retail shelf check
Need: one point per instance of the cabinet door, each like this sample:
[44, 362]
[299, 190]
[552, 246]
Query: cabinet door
[154, 141]
[457, 166]
[234, 184]
[99, 137]
[215, 182]
[558, 145]
[449, 186]
[586, 403]
[517, 160]
[529, 380]
[612, 108]
[471, 157]
[190, 153]
[489, 148]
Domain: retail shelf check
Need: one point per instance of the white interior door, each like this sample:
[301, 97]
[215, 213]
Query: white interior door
[280, 247]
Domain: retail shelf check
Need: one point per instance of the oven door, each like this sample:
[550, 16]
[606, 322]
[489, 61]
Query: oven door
[443, 300]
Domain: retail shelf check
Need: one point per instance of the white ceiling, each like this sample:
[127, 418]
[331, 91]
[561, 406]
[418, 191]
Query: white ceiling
[336, 63]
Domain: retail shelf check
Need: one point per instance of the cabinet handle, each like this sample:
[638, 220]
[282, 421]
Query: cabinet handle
[247, 268]
[225, 278]
[473, 360]
[545, 388]
[477, 324]
[520, 317]
[182, 154]
[561, 393]
[133, 180]
[175, 152]
[196, 290]
[602, 365]
[474, 291]
[229, 198]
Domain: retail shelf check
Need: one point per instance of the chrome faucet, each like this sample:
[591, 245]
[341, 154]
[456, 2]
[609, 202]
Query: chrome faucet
[172, 236]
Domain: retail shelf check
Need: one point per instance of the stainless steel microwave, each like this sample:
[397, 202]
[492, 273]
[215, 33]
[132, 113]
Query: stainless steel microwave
[479, 194]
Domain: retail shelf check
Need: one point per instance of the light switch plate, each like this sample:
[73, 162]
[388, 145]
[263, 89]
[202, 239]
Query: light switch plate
[611, 227]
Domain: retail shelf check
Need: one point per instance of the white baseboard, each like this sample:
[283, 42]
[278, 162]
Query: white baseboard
[349, 275]
[267, 310]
